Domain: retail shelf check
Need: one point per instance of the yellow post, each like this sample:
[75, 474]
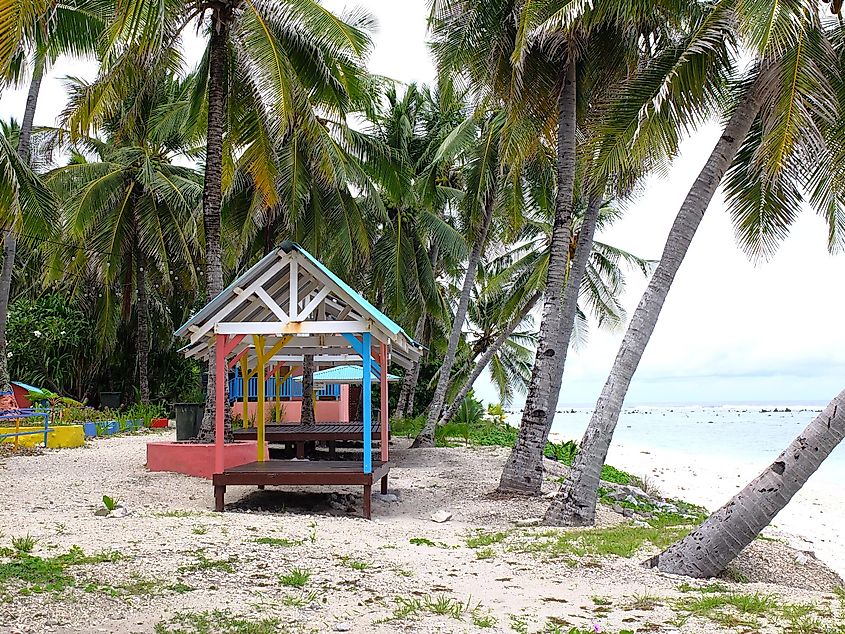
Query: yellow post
[245, 390]
[278, 395]
[259, 418]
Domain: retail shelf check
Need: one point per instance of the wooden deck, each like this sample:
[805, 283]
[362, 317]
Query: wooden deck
[300, 434]
[321, 432]
[302, 472]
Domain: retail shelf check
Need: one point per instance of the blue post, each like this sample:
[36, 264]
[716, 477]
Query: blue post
[366, 396]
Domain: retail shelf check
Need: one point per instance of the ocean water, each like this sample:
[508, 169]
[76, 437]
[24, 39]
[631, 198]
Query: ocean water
[752, 434]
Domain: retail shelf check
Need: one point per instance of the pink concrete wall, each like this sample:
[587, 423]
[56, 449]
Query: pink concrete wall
[328, 411]
[198, 459]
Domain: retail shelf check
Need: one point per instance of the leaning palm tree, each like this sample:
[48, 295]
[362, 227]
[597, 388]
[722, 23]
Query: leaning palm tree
[774, 129]
[523, 267]
[27, 208]
[267, 56]
[42, 31]
[708, 549]
[131, 209]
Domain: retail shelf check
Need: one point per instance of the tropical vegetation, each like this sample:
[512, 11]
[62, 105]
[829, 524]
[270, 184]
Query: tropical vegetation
[471, 210]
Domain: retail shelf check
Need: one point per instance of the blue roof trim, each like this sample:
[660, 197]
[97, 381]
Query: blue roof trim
[346, 373]
[27, 387]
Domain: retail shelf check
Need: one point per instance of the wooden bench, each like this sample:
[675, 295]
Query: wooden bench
[302, 472]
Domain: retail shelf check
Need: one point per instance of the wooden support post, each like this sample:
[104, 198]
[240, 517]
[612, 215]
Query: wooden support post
[245, 390]
[258, 340]
[219, 496]
[367, 398]
[368, 501]
[278, 375]
[219, 402]
[385, 448]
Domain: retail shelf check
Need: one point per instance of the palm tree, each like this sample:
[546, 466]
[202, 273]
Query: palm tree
[265, 58]
[632, 131]
[601, 274]
[131, 209]
[481, 199]
[772, 132]
[708, 549]
[42, 31]
[27, 208]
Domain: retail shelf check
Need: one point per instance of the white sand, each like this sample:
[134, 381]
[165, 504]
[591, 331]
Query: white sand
[53, 497]
[813, 520]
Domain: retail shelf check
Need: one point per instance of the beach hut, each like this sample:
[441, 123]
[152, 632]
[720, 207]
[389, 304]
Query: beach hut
[286, 306]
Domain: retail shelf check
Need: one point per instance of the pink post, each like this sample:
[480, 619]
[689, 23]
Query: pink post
[385, 449]
[344, 403]
[219, 397]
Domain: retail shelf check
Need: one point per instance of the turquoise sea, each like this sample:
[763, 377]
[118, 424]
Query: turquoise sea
[753, 434]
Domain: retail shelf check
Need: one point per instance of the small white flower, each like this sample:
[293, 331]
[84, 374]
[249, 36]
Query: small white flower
[37, 333]
[8, 355]
[62, 332]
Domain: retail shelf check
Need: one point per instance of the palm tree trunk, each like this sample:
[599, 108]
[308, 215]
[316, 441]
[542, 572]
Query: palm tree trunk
[308, 390]
[10, 242]
[426, 436]
[485, 358]
[405, 406]
[575, 504]
[143, 342]
[212, 196]
[708, 550]
[523, 472]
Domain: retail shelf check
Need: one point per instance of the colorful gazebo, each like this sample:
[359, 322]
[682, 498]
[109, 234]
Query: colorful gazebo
[286, 306]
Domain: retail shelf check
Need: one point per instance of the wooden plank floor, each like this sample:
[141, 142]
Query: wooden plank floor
[308, 433]
[302, 472]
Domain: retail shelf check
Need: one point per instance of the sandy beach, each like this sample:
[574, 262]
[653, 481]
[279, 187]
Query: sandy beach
[172, 561]
[812, 521]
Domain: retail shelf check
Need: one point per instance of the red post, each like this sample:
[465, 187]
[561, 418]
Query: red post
[219, 398]
[385, 449]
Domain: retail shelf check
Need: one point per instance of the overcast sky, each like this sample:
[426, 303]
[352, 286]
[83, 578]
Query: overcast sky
[729, 332]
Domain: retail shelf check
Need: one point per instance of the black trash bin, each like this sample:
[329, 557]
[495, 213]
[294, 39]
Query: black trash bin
[110, 400]
[188, 420]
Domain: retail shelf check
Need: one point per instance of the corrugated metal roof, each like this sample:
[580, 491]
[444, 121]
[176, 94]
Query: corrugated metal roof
[345, 374]
[26, 386]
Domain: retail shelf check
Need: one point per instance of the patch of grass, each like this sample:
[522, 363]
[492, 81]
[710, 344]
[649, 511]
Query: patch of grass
[483, 621]
[355, 564]
[601, 601]
[485, 553]
[302, 600]
[840, 594]
[204, 563]
[278, 541]
[440, 605]
[199, 530]
[217, 622]
[424, 541]
[644, 602]
[710, 588]
[481, 539]
[24, 544]
[295, 578]
[518, 623]
[732, 610]
[623, 541]
[39, 574]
